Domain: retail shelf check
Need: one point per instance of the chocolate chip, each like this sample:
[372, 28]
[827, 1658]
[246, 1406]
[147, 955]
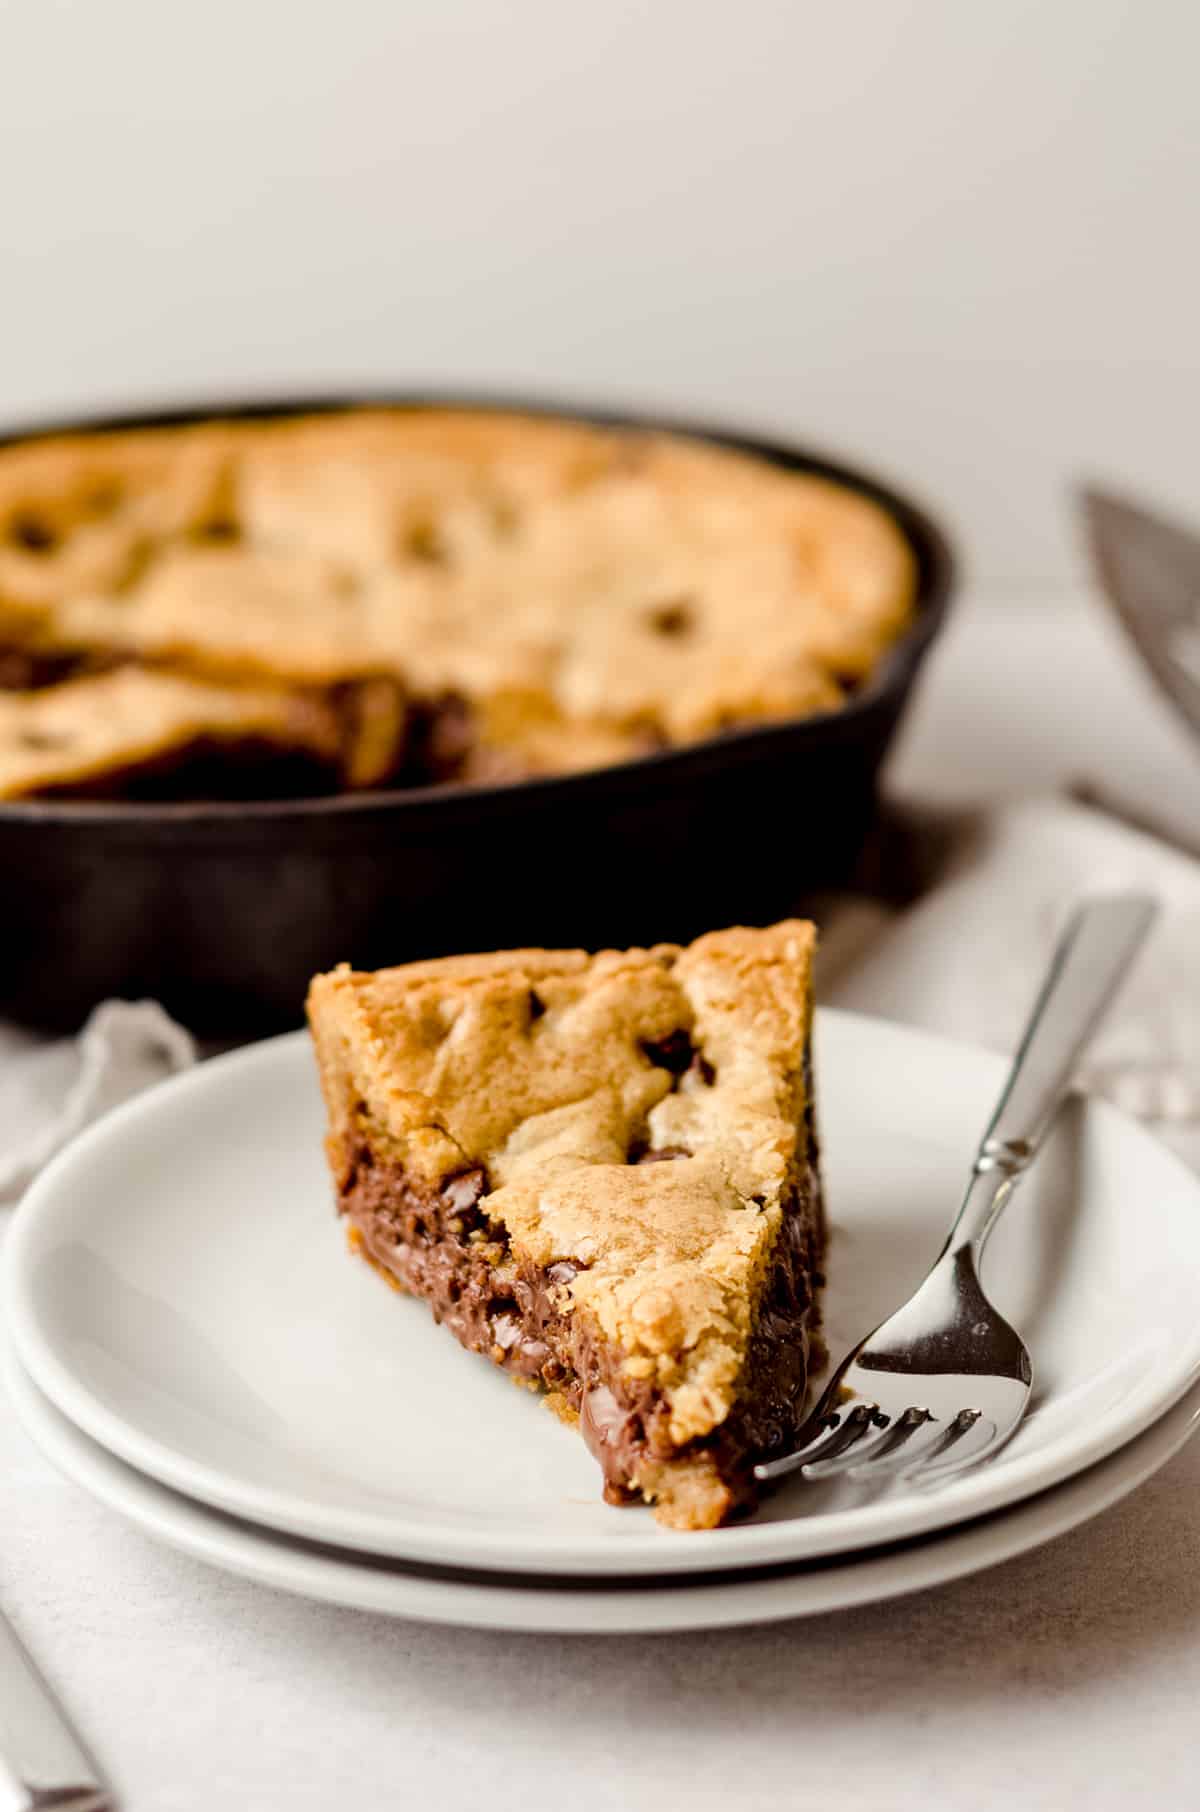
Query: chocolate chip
[218, 528]
[537, 1005]
[674, 618]
[506, 1331]
[704, 1069]
[423, 542]
[673, 1053]
[33, 532]
[463, 1191]
[642, 1152]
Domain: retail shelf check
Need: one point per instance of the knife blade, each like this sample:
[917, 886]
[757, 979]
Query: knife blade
[1149, 569]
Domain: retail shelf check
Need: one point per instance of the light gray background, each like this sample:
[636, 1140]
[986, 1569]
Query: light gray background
[957, 240]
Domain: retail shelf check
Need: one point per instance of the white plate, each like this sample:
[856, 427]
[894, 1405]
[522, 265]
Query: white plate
[178, 1286]
[582, 1607]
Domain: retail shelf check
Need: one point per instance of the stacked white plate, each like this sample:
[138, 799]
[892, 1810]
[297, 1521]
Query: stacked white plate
[191, 1342]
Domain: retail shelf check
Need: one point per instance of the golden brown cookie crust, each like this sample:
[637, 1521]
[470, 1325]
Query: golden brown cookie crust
[541, 1067]
[589, 592]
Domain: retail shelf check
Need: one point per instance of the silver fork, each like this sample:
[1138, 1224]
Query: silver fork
[944, 1382]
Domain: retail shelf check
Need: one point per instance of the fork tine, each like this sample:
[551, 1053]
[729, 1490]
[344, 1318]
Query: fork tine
[951, 1435]
[861, 1458]
[937, 1473]
[768, 1470]
[824, 1445]
[901, 1461]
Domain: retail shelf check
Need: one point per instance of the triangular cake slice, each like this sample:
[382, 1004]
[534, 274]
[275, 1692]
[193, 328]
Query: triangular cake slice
[601, 1172]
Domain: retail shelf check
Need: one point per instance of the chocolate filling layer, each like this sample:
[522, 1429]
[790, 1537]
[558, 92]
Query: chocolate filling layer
[249, 768]
[440, 746]
[442, 738]
[443, 1247]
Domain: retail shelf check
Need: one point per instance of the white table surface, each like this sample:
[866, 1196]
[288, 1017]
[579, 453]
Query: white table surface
[1069, 1677]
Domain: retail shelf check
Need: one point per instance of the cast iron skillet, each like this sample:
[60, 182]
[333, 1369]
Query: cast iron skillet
[224, 910]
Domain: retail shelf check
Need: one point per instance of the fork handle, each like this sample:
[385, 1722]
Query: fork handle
[1092, 956]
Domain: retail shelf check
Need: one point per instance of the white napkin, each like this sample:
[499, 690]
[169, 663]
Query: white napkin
[967, 959]
[50, 1091]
